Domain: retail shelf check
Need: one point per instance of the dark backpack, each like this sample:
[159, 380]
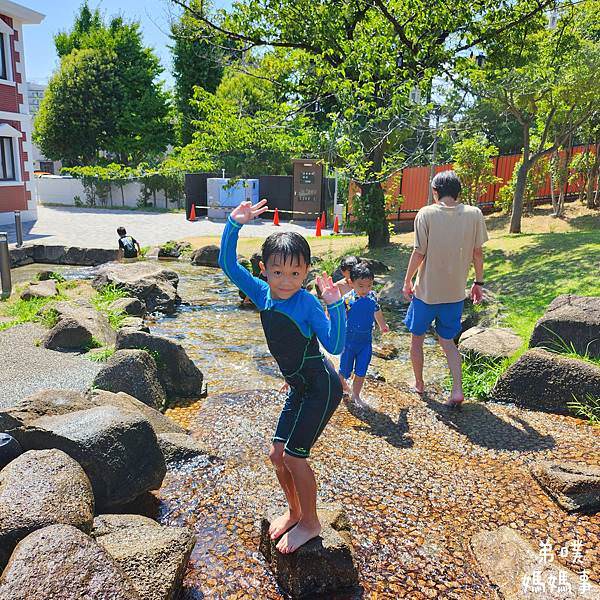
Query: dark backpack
[128, 245]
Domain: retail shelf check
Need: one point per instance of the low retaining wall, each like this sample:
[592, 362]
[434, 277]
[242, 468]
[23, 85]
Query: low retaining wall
[60, 255]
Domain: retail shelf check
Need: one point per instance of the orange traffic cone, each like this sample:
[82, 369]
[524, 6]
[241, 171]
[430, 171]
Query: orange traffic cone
[276, 217]
[323, 221]
[318, 228]
[336, 225]
[192, 216]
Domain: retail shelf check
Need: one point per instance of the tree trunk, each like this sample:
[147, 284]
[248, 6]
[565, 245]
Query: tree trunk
[517, 209]
[373, 200]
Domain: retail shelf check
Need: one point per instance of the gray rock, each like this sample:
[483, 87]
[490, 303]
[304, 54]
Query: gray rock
[62, 563]
[71, 255]
[180, 446]
[386, 351]
[153, 557]
[489, 343]
[20, 256]
[507, 560]
[44, 275]
[323, 565]
[130, 306]
[571, 321]
[41, 488]
[79, 324]
[150, 283]
[43, 289]
[133, 372]
[117, 449]
[574, 486]
[544, 381]
[179, 376]
[134, 324]
[207, 256]
[391, 294]
[173, 249]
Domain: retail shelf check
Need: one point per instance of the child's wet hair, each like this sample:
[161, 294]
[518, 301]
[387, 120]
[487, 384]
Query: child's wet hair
[348, 262]
[121, 231]
[361, 271]
[287, 244]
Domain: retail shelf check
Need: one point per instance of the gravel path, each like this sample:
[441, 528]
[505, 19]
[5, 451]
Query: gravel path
[26, 369]
[96, 228]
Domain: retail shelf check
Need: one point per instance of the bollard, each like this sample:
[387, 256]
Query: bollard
[19, 228]
[5, 266]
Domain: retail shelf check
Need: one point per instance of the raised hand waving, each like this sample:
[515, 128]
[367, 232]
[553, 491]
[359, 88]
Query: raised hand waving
[329, 292]
[246, 211]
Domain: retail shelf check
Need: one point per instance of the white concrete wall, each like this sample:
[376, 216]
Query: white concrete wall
[63, 191]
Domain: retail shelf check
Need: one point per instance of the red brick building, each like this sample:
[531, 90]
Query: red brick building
[16, 168]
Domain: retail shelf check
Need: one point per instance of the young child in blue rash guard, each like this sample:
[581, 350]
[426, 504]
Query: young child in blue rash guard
[362, 310]
[294, 322]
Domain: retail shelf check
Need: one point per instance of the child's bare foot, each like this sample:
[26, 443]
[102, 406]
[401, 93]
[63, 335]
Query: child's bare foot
[298, 536]
[281, 524]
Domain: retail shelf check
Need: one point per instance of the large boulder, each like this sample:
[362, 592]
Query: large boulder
[150, 283]
[574, 486]
[172, 249]
[509, 561]
[179, 376]
[544, 381]
[62, 563]
[207, 256]
[324, 565]
[48, 403]
[133, 372]
[153, 557]
[117, 449]
[79, 326]
[130, 306]
[489, 343]
[41, 488]
[571, 321]
[43, 289]
[180, 446]
[391, 294]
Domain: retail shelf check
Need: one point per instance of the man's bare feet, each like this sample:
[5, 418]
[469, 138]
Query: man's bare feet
[282, 524]
[454, 400]
[418, 387]
[298, 536]
[356, 399]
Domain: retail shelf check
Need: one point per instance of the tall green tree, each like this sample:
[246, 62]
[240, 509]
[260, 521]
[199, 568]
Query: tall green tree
[138, 121]
[79, 112]
[197, 61]
[546, 79]
[365, 58]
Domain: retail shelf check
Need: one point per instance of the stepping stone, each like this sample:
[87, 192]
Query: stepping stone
[323, 565]
[574, 486]
[493, 343]
[514, 566]
[43, 289]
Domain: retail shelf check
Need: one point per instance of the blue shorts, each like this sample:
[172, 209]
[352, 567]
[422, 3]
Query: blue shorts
[447, 318]
[356, 357]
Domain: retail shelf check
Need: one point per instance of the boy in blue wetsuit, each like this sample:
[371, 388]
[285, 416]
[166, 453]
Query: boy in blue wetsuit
[362, 310]
[293, 320]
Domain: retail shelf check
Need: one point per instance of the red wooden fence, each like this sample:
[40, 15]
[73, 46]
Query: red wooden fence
[413, 184]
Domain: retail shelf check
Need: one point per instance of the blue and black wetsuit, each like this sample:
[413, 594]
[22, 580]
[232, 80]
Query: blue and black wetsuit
[292, 328]
[359, 333]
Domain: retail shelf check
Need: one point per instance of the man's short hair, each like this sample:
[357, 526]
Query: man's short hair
[348, 262]
[361, 271]
[287, 244]
[121, 231]
[447, 183]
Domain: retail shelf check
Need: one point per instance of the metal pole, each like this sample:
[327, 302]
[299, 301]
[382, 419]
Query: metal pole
[5, 266]
[19, 228]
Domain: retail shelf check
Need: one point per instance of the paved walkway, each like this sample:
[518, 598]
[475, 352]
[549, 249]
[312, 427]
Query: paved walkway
[96, 228]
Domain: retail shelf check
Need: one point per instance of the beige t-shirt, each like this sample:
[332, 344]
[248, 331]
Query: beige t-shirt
[447, 237]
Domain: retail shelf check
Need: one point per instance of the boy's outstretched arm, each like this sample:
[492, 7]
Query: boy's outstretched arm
[330, 332]
[253, 287]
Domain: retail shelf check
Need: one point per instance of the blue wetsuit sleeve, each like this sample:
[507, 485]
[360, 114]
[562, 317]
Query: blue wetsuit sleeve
[254, 288]
[330, 332]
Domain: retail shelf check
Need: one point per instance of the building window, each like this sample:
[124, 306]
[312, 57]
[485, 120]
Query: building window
[7, 160]
[3, 63]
